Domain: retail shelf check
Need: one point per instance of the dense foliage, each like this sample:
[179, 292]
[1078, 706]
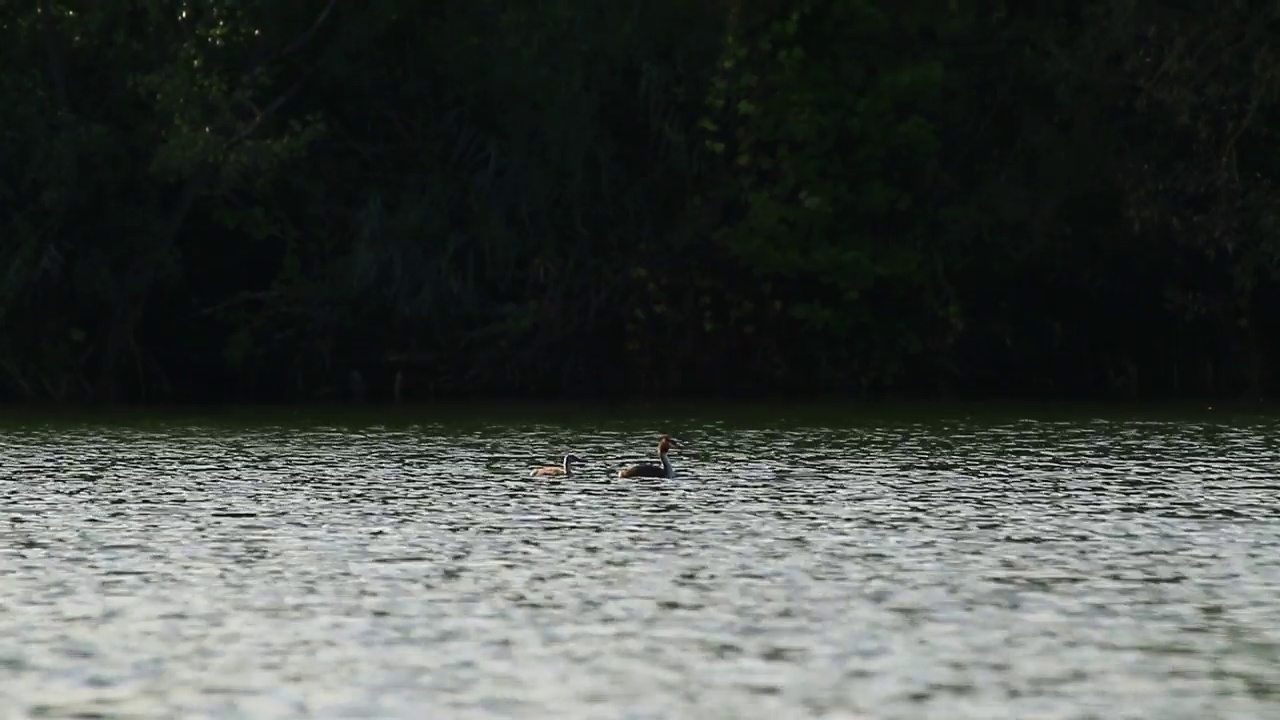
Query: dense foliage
[303, 198]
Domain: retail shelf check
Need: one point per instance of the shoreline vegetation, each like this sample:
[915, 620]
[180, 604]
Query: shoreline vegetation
[308, 201]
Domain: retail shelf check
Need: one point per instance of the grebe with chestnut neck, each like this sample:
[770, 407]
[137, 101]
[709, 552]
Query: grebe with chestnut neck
[662, 470]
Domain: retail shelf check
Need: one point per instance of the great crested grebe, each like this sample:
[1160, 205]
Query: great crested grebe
[561, 470]
[665, 470]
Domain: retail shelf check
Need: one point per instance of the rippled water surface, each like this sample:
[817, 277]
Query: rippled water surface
[949, 566]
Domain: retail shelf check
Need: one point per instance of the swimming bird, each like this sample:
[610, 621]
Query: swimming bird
[561, 470]
[665, 470]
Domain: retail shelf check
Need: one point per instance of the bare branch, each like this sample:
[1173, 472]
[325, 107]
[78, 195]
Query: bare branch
[263, 115]
[311, 31]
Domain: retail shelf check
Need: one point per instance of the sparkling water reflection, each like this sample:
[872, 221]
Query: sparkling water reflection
[946, 569]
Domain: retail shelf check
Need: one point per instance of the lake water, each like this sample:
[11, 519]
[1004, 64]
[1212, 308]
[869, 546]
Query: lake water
[937, 564]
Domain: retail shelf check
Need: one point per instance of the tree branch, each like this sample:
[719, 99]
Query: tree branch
[309, 32]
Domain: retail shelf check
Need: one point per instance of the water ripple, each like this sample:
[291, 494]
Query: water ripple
[962, 568]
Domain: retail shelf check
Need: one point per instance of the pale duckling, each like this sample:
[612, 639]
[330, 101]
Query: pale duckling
[562, 470]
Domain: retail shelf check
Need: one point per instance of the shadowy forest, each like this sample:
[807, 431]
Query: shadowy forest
[323, 200]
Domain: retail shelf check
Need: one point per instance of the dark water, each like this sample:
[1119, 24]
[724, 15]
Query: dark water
[944, 566]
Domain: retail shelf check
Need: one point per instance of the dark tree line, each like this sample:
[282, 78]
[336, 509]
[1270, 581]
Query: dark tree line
[228, 200]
